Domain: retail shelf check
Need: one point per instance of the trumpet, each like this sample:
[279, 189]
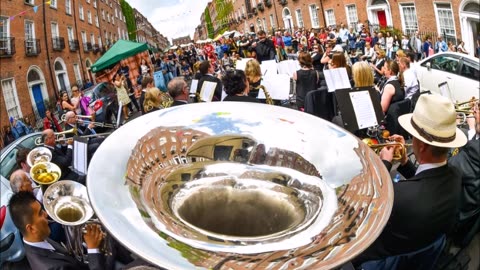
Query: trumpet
[59, 136]
[462, 118]
[399, 152]
[466, 107]
[64, 117]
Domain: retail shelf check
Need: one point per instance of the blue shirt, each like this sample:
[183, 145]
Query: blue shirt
[19, 129]
[287, 40]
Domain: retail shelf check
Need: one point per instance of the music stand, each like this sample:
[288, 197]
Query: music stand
[367, 111]
[445, 90]
[80, 154]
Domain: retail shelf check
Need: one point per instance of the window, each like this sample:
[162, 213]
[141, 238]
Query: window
[445, 23]
[264, 21]
[298, 12]
[11, 99]
[314, 16]
[108, 17]
[116, 13]
[113, 19]
[470, 70]
[5, 35]
[68, 7]
[89, 17]
[70, 33]
[254, 4]
[53, 3]
[99, 41]
[54, 27]
[88, 1]
[95, 3]
[29, 2]
[92, 39]
[29, 34]
[80, 13]
[409, 18]
[76, 71]
[444, 63]
[84, 37]
[243, 10]
[103, 14]
[351, 15]
[96, 21]
[330, 16]
[272, 21]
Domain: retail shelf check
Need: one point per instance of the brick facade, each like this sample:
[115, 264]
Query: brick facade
[181, 40]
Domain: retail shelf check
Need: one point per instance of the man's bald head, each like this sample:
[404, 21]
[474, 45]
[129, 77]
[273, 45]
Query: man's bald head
[19, 181]
[70, 118]
[177, 87]
[48, 137]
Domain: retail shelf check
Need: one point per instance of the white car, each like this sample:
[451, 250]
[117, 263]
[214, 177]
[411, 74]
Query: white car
[450, 74]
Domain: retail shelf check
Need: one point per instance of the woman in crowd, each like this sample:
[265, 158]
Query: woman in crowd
[362, 74]
[153, 100]
[75, 100]
[461, 47]
[307, 79]
[369, 52]
[391, 91]
[389, 45]
[451, 47]
[65, 103]
[8, 137]
[427, 46]
[378, 64]
[339, 61]
[122, 95]
[236, 86]
[51, 122]
[254, 77]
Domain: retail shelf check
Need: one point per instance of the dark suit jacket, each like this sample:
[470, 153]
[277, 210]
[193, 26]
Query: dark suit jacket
[178, 103]
[62, 160]
[424, 208]
[217, 96]
[44, 259]
[81, 130]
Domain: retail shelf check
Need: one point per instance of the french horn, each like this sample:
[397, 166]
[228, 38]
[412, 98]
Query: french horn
[239, 186]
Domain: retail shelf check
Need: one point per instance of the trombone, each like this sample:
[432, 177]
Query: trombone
[96, 124]
[60, 136]
[467, 106]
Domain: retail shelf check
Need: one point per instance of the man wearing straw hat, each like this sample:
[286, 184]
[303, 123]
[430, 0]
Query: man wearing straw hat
[425, 204]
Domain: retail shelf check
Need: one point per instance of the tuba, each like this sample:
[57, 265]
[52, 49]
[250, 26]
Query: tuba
[224, 186]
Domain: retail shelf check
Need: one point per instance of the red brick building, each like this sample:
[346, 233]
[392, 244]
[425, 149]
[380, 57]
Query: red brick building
[181, 40]
[455, 19]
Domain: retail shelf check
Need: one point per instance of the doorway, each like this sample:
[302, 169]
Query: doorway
[38, 99]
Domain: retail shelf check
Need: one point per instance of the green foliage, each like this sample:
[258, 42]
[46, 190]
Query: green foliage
[393, 32]
[130, 19]
[208, 21]
[224, 9]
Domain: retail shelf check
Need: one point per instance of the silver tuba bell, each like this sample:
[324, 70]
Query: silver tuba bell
[37, 155]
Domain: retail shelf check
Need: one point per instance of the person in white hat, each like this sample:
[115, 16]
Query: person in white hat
[425, 204]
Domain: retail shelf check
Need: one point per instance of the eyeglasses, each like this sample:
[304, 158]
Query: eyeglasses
[74, 91]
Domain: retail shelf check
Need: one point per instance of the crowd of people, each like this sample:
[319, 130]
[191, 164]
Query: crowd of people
[431, 194]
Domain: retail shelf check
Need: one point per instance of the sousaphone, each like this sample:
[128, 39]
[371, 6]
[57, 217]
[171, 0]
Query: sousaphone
[228, 185]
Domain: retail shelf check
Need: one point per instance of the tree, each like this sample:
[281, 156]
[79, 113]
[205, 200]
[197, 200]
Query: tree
[130, 19]
[208, 21]
[224, 9]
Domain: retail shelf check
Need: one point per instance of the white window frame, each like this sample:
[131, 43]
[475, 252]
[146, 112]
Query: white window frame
[401, 7]
[76, 72]
[70, 35]
[89, 17]
[272, 21]
[351, 20]
[95, 3]
[54, 29]
[30, 2]
[100, 41]
[116, 13]
[68, 7]
[314, 20]
[92, 39]
[243, 10]
[84, 37]
[254, 4]
[80, 12]
[108, 17]
[32, 37]
[264, 21]
[439, 27]
[103, 14]
[88, 1]
[53, 4]
[113, 20]
[10, 93]
[97, 24]
[299, 17]
[330, 19]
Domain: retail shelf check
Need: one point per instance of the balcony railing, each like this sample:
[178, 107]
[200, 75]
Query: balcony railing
[87, 46]
[32, 47]
[7, 46]
[73, 45]
[58, 43]
[96, 48]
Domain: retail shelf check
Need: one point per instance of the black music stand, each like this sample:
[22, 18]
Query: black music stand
[347, 109]
[80, 154]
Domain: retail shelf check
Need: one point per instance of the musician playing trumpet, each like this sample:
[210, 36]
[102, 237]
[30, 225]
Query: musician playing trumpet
[426, 203]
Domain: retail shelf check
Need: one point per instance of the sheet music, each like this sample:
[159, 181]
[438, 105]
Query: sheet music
[278, 86]
[269, 68]
[445, 90]
[288, 67]
[119, 113]
[208, 89]
[224, 94]
[240, 64]
[363, 108]
[80, 155]
[193, 86]
[336, 79]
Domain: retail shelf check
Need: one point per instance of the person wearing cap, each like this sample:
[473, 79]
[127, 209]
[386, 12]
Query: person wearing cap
[18, 128]
[425, 204]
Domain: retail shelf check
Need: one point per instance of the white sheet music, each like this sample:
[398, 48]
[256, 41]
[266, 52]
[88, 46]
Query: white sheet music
[288, 67]
[207, 91]
[445, 90]
[363, 108]
[80, 156]
[278, 86]
[193, 86]
[336, 79]
[240, 64]
[269, 68]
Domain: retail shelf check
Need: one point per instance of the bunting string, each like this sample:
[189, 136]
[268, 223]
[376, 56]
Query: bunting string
[35, 9]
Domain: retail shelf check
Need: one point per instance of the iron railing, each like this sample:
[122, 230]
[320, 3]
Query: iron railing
[32, 47]
[7, 46]
[58, 43]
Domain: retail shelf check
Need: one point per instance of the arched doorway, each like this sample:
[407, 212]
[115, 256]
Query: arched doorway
[470, 23]
[287, 19]
[61, 75]
[379, 13]
[37, 90]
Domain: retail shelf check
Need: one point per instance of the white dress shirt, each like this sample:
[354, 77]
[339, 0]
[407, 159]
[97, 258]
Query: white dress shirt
[428, 166]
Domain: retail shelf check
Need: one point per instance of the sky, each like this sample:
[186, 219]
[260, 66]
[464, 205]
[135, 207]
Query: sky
[172, 18]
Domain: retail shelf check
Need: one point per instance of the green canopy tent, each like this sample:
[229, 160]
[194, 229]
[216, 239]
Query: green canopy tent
[120, 50]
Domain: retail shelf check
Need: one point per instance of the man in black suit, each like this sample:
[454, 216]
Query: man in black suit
[42, 252]
[178, 90]
[264, 47]
[426, 203]
[82, 130]
[208, 75]
[62, 159]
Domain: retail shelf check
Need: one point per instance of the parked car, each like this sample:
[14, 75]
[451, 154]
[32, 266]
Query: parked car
[459, 71]
[11, 245]
[103, 97]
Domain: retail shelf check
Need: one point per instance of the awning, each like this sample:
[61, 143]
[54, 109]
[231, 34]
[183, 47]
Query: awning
[120, 50]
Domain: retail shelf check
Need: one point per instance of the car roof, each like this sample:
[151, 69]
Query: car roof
[456, 54]
[14, 144]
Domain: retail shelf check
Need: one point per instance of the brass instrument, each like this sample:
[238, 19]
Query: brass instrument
[37, 155]
[268, 98]
[399, 152]
[59, 136]
[67, 203]
[467, 106]
[45, 173]
[462, 118]
[64, 117]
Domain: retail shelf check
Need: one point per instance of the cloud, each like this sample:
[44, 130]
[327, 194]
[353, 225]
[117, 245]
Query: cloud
[172, 18]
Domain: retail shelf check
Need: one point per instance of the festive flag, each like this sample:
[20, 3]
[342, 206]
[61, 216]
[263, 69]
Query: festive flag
[22, 13]
[35, 9]
[11, 18]
[48, 2]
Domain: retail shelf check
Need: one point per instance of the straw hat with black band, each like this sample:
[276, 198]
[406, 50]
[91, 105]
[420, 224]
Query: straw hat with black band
[434, 122]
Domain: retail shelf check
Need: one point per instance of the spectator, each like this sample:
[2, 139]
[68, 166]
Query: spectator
[461, 47]
[8, 137]
[427, 46]
[51, 122]
[19, 129]
[441, 45]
